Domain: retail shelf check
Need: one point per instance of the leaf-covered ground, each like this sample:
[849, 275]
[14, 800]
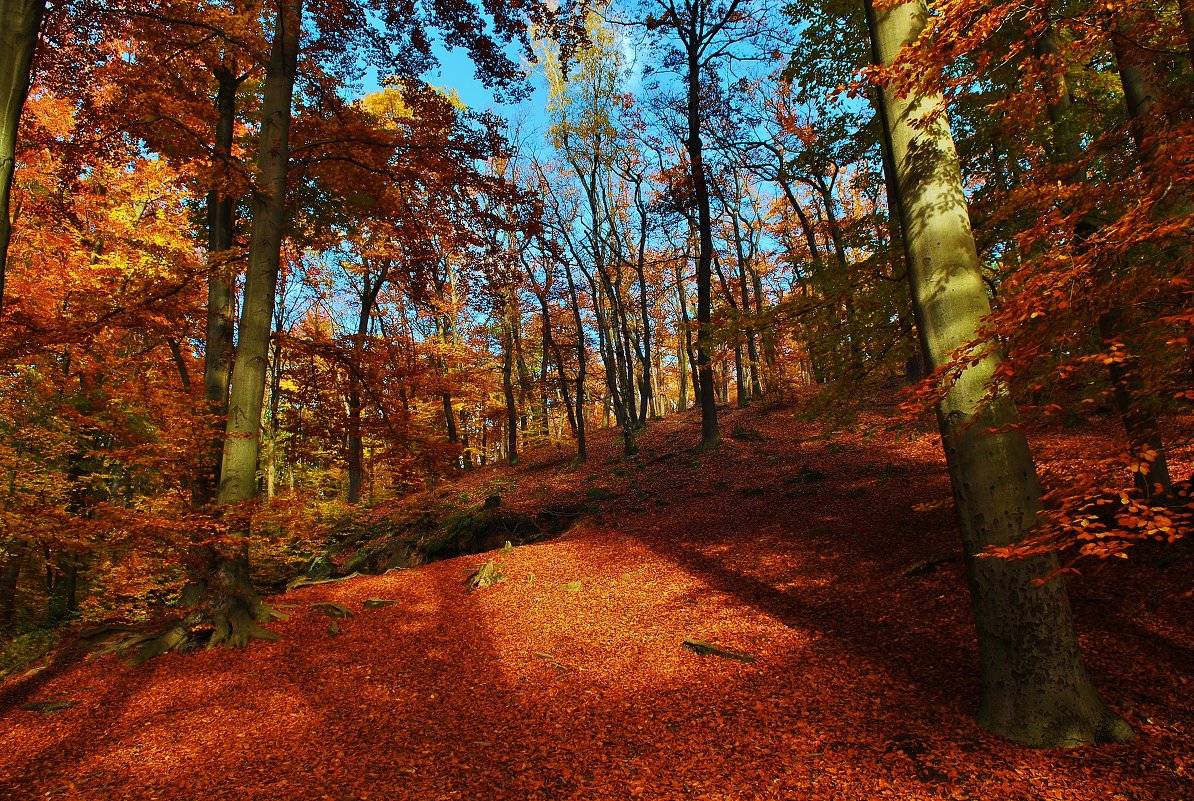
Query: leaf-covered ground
[569, 679]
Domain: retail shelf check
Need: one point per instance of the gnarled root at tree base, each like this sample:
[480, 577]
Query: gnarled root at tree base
[226, 609]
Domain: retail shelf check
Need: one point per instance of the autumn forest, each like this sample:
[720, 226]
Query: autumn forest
[718, 399]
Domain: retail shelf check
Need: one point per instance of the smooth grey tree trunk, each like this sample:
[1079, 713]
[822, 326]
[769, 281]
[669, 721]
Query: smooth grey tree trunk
[1035, 688]
[582, 360]
[237, 608]
[20, 23]
[217, 355]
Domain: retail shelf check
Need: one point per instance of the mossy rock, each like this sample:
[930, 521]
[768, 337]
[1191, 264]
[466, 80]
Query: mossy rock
[807, 475]
[378, 557]
[471, 531]
[744, 433]
[320, 568]
[558, 519]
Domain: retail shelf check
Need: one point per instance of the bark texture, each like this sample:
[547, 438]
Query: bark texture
[1035, 688]
[217, 356]
[20, 22]
[236, 607]
[710, 432]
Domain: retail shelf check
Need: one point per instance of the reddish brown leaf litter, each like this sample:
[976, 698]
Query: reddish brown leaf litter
[569, 680]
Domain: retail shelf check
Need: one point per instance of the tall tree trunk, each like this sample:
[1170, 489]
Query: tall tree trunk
[685, 333]
[1035, 688]
[1117, 322]
[508, 390]
[710, 431]
[682, 365]
[217, 354]
[237, 609]
[646, 393]
[1187, 11]
[743, 258]
[465, 452]
[274, 389]
[20, 23]
[10, 575]
[544, 395]
[448, 336]
[582, 359]
[369, 293]
[552, 352]
[484, 440]
[854, 356]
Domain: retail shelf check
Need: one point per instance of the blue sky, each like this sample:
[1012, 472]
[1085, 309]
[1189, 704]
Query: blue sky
[457, 71]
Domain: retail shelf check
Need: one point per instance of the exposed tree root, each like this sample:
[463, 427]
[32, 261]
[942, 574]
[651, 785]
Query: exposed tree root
[1072, 731]
[226, 609]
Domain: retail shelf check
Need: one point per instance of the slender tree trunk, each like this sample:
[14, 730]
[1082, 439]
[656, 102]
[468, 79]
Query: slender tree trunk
[1035, 688]
[217, 354]
[646, 393]
[682, 363]
[710, 432]
[369, 293]
[1187, 11]
[20, 23]
[544, 395]
[526, 381]
[238, 609]
[552, 352]
[271, 421]
[854, 356]
[448, 336]
[10, 576]
[1117, 322]
[741, 400]
[752, 351]
[468, 456]
[508, 391]
[484, 440]
[752, 347]
[686, 333]
[605, 346]
[582, 359]
[355, 443]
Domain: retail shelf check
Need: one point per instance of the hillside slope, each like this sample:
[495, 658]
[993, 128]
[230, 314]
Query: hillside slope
[569, 680]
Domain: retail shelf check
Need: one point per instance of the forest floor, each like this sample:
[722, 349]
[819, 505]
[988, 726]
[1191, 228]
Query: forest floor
[568, 680]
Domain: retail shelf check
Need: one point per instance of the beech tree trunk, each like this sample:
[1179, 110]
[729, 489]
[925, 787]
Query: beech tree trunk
[1035, 688]
[646, 388]
[20, 23]
[508, 386]
[237, 609]
[217, 355]
[1187, 10]
[1116, 324]
[582, 360]
[10, 574]
[710, 432]
[1131, 395]
[369, 293]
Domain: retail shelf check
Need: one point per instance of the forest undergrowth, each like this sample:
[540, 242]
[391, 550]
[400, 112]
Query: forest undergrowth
[827, 563]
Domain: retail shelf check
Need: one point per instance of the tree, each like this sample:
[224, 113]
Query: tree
[707, 32]
[1035, 686]
[20, 22]
[236, 607]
